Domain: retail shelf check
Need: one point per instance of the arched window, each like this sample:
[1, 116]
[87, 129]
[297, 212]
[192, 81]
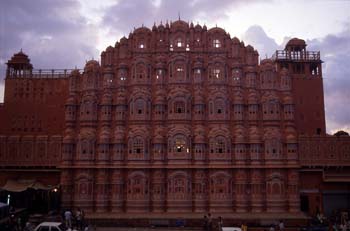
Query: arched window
[285, 82]
[179, 107]
[141, 72]
[218, 145]
[215, 73]
[137, 145]
[179, 72]
[219, 106]
[273, 149]
[236, 76]
[179, 144]
[139, 106]
[216, 43]
[179, 42]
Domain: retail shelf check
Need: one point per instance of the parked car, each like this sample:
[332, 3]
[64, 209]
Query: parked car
[231, 229]
[50, 226]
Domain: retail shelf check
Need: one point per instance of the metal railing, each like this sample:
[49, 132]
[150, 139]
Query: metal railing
[297, 55]
[42, 73]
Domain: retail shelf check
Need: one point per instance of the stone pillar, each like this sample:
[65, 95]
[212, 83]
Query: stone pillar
[200, 191]
[293, 191]
[66, 188]
[101, 190]
[83, 189]
[256, 191]
[117, 191]
[158, 191]
[241, 190]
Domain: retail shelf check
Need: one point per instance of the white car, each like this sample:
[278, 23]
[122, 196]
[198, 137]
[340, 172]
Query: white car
[231, 229]
[50, 226]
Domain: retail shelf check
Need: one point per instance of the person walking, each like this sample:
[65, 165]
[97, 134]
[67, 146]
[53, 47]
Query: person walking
[68, 218]
[210, 222]
[220, 223]
[205, 223]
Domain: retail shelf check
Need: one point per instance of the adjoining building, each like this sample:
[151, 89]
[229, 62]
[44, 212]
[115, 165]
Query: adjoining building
[177, 119]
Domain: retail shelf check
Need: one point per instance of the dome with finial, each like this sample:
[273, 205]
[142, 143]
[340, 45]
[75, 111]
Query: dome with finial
[91, 64]
[161, 26]
[198, 27]
[20, 59]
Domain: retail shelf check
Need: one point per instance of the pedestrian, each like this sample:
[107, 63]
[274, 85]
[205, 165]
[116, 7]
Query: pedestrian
[205, 223]
[281, 226]
[210, 222]
[220, 223]
[79, 218]
[68, 218]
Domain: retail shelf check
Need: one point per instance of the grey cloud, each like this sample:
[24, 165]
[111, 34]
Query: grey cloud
[256, 36]
[126, 14]
[335, 52]
[52, 33]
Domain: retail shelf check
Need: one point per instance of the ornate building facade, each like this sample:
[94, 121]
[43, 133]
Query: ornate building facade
[177, 118]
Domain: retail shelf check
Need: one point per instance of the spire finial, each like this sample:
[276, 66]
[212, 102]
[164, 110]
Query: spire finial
[179, 16]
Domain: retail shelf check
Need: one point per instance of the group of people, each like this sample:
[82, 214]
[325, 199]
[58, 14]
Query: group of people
[209, 225]
[75, 220]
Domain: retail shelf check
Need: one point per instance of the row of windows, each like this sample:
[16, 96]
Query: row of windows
[219, 106]
[179, 43]
[180, 144]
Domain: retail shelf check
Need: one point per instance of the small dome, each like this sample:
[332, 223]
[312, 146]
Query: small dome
[75, 72]
[71, 100]
[284, 71]
[91, 64]
[199, 139]
[296, 42]
[158, 139]
[199, 99]
[252, 98]
[122, 65]
[161, 27]
[110, 49]
[159, 99]
[108, 69]
[106, 99]
[160, 65]
[235, 40]
[254, 136]
[69, 136]
[87, 133]
[21, 59]
[198, 64]
[104, 135]
[179, 24]
[199, 134]
[198, 27]
[118, 135]
[287, 99]
[239, 134]
[291, 139]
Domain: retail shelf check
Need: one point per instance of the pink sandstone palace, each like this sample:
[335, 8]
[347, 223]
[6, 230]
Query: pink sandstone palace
[176, 119]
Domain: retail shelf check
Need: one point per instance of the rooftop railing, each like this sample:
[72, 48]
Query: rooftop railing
[297, 55]
[41, 73]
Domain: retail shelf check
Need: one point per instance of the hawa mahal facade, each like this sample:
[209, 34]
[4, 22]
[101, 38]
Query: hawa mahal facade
[177, 118]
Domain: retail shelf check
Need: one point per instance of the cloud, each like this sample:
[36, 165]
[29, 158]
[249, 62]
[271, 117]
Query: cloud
[126, 14]
[52, 33]
[256, 36]
[335, 52]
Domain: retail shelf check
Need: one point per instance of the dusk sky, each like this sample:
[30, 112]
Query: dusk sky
[66, 33]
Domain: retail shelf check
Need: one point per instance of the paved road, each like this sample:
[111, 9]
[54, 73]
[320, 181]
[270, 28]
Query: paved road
[145, 229]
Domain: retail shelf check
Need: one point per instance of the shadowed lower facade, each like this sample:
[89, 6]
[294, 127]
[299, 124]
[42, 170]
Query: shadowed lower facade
[177, 119]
